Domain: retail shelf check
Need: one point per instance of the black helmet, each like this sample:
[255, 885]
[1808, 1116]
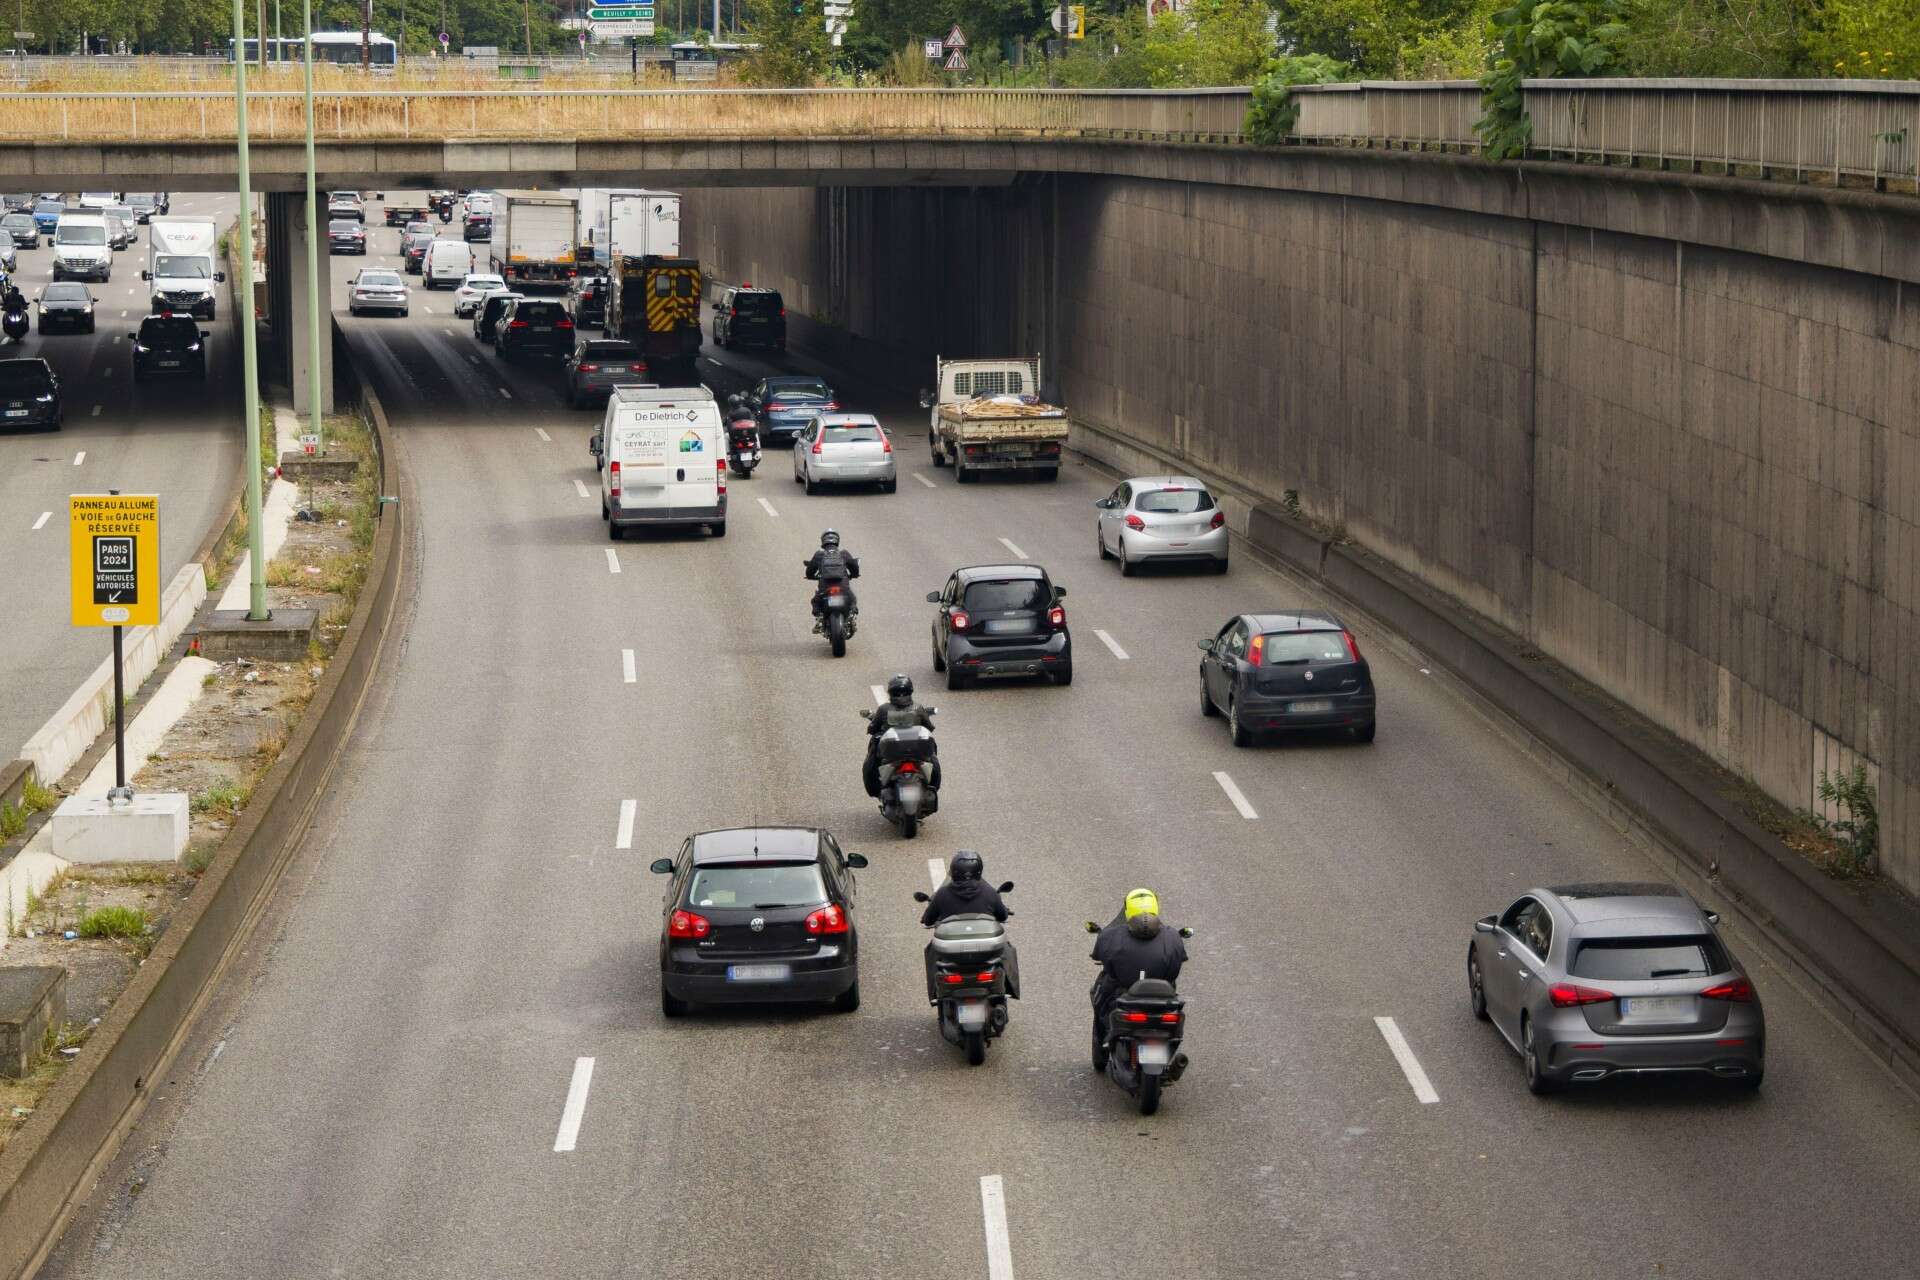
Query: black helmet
[900, 689]
[829, 540]
[966, 865]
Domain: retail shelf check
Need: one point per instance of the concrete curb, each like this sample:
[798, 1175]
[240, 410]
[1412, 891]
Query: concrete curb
[78, 1127]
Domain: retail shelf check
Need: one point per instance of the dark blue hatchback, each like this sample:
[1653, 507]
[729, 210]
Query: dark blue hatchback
[1286, 672]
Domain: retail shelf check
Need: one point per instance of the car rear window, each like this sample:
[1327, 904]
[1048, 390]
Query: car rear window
[1646, 959]
[799, 391]
[1281, 647]
[757, 884]
[1015, 593]
[545, 312]
[25, 378]
[1174, 501]
[168, 331]
[849, 435]
[599, 350]
[757, 304]
[343, 224]
[380, 280]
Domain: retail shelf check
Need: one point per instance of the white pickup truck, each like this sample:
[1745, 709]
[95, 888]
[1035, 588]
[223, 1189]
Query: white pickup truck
[986, 415]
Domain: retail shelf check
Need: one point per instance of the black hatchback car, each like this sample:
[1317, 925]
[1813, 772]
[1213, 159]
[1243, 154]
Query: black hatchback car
[413, 249]
[597, 366]
[30, 394]
[169, 344]
[66, 306]
[22, 231]
[759, 914]
[1284, 672]
[477, 228]
[750, 317]
[486, 317]
[1001, 620]
[533, 327]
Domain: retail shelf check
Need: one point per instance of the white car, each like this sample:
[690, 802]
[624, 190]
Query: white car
[844, 448]
[1162, 518]
[377, 289]
[474, 289]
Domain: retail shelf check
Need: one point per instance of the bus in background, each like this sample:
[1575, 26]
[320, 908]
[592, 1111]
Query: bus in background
[341, 48]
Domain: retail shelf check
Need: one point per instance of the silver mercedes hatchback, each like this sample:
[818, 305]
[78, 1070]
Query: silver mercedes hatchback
[1591, 981]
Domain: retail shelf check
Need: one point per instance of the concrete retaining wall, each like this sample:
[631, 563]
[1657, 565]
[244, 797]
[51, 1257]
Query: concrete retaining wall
[1623, 417]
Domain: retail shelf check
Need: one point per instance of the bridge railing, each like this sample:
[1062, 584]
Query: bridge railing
[1842, 130]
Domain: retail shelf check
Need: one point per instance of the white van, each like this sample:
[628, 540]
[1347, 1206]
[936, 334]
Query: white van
[447, 264]
[663, 459]
[80, 246]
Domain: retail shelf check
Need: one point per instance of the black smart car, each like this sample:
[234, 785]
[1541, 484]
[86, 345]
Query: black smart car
[169, 344]
[597, 366]
[746, 316]
[1001, 620]
[759, 914]
[30, 395]
[67, 307]
[1285, 672]
[533, 327]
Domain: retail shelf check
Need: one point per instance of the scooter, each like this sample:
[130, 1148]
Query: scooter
[743, 448]
[967, 979]
[15, 325]
[909, 776]
[1145, 1027]
[839, 614]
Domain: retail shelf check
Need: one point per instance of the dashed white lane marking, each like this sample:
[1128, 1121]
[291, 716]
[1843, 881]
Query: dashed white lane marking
[542, 433]
[580, 487]
[95, 413]
[936, 871]
[473, 359]
[1009, 546]
[623, 838]
[506, 393]
[923, 480]
[879, 693]
[124, 313]
[613, 561]
[576, 1107]
[627, 671]
[448, 332]
[993, 1208]
[107, 372]
[769, 507]
[1409, 1065]
[44, 517]
[79, 457]
[1233, 794]
[1112, 644]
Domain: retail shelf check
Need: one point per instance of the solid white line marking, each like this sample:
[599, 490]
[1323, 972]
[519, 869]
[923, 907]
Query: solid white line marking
[79, 457]
[576, 1107]
[923, 480]
[626, 666]
[1410, 1065]
[580, 487]
[936, 871]
[1233, 794]
[993, 1207]
[96, 411]
[613, 561]
[508, 394]
[1009, 546]
[769, 507]
[44, 517]
[623, 839]
[542, 432]
[879, 693]
[1111, 644]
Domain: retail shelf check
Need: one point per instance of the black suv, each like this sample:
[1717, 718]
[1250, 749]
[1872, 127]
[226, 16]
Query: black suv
[533, 327]
[169, 344]
[746, 316]
[477, 228]
[29, 394]
[1001, 620]
[486, 316]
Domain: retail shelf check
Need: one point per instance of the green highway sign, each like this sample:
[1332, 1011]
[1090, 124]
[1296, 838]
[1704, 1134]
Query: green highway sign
[620, 13]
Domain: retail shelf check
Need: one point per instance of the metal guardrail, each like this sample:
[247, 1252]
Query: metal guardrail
[1842, 130]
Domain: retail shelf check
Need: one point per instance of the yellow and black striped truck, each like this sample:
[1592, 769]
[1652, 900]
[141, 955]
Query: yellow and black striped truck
[654, 303]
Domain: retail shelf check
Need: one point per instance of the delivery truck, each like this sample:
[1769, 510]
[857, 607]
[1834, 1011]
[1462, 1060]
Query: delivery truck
[628, 222]
[181, 265]
[533, 241]
[987, 415]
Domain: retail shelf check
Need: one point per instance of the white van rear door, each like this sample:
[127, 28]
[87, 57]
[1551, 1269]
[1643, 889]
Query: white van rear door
[667, 455]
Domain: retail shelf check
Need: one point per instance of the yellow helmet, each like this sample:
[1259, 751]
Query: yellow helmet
[1142, 902]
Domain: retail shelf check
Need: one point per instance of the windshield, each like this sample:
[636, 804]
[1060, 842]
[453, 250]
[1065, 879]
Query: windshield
[138, 200]
[1016, 593]
[23, 377]
[48, 207]
[758, 885]
[1646, 959]
[64, 293]
[180, 266]
[68, 234]
[1281, 647]
[21, 221]
[168, 331]
[1174, 501]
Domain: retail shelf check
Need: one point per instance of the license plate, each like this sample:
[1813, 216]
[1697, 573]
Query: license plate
[972, 1014]
[1315, 707]
[1005, 626]
[168, 364]
[758, 972]
[16, 413]
[1155, 1053]
[1654, 1006]
[543, 328]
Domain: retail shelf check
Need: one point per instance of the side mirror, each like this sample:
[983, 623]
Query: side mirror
[1485, 924]
[921, 897]
[1186, 932]
[131, 336]
[219, 277]
[1092, 927]
[926, 399]
[661, 866]
[1059, 593]
[933, 597]
[146, 275]
[1006, 886]
[205, 334]
[1105, 504]
[1713, 917]
[858, 861]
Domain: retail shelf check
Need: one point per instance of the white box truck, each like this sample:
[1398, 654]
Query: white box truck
[662, 454]
[533, 237]
[629, 222]
[181, 265]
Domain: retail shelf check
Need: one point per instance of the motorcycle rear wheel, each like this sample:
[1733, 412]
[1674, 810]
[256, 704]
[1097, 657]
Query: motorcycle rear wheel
[837, 633]
[909, 827]
[976, 1047]
[1149, 1095]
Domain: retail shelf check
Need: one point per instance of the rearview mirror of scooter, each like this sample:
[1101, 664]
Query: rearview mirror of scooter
[1092, 927]
[1186, 932]
[1006, 886]
[920, 897]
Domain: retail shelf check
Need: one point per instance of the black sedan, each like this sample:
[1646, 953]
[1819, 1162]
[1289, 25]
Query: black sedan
[999, 621]
[597, 366]
[66, 307]
[477, 228]
[786, 406]
[1289, 671]
[22, 231]
[759, 914]
[347, 235]
[29, 395]
[169, 344]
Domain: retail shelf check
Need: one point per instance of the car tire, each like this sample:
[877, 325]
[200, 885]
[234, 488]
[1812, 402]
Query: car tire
[1219, 567]
[353, 311]
[933, 447]
[603, 507]
[813, 485]
[939, 658]
[1101, 543]
[1476, 986]
[960, 472]
[1206, 701]
[1241, 735]
[955, 681]
[1049, 474]
[614, 532]
[1126, 566]
[719, 530]
[889, 486]
[672, 1006]
[849, 1000]
[92, 327]
[1539, 1084]
[403, 313]
[1364, 732]
[1064, 676]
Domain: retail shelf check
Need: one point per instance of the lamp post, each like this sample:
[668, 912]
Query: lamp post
[250, 356]
[313, 248]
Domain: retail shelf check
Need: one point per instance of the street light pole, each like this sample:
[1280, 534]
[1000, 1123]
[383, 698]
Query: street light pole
[249, 341]
[313, 249]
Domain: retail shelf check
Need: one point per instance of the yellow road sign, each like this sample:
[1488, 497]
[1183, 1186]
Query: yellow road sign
[115, 541]
[1076, 22]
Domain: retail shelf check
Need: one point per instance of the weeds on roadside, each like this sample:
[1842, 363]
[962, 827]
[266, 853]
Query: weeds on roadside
[34, 797]
[1856, 831]
[222, 797]
[13, 820]
[113, 922]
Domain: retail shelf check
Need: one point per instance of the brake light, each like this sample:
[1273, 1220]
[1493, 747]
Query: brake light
[1353, 646]
[1740, 991]
[613, 477]
[1256, 651]
[589, 368]
[953, 979]
[636, 368]
[986, 976]
[1132, 1015]
[834, 589]
[1169, 1017]
[732, 312]
[828, 919]
[563, 323]
[778, 406]
[959, 619]
[783, 313]
[1136, 524]
[1057, 617]
[816, 448]
[886, 445]
[516, 324]
[1568, 995]
[720, 475]
[1219, 518]
[908, 766]
[685, 924]
[832, 404]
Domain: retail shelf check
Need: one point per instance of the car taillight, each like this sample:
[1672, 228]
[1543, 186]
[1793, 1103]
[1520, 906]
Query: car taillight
[720, 475]
[886, 445]
[589, 368]
[685, 924]
[783, 313]
[959, 619]
[828, 919]
[563, 323]
[636, 368]
[1568, 995]
[1132, 1015]
[1169, 1017]
[1353, 646]
[777, 407]
[816, 448]
[1740, 991]
[1256, 651]
[1057, 617]
[1136, 523]
[831, 405]
[516, 324]
[613, 477]
[732, 312]
[1219, 518]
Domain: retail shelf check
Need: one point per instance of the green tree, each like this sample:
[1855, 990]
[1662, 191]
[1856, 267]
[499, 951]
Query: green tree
[793, 50]
[1209, 42]
[1532, 40]
[1716, 38]
[1274, 110]
[1866, 39]
[1375, 36]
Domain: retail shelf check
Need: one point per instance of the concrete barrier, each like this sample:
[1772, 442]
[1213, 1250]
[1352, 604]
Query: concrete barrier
[78, 1127]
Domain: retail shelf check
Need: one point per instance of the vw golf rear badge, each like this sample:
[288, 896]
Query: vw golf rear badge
[757, 924]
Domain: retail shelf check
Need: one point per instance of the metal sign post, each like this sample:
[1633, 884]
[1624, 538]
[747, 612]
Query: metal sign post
[114, 559]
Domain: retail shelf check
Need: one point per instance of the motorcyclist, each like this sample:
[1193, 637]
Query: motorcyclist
[13, 305]
[899, 711]
[967, 892]
[743, 429]
[1135, 944]
[830, 564]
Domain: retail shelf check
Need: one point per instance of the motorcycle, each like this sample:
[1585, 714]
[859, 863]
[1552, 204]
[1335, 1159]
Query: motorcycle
[967, 979]
[743, 447]
[15, 324]
[909, 776]
[839, 613]
[1145, 1026]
